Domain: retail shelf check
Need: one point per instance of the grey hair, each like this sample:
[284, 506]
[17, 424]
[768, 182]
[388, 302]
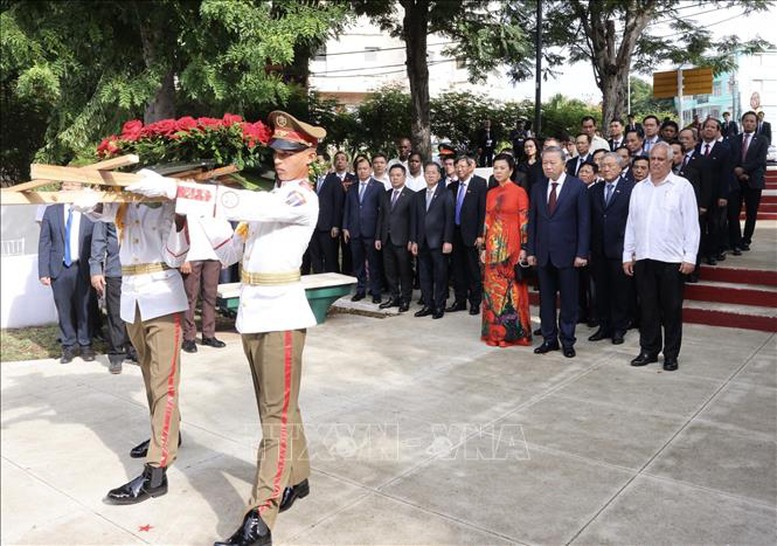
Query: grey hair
[553, 150]
[667, 147]
[465, 158]
[616, 156]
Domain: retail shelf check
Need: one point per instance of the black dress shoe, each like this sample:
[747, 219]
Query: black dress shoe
[376, 299]
[736, 252]
[151, 483]
[617, 338]
[404, 306]
[537, 332]
[67, 356]
[290, 494]
[87, 353]
[745, 246]
[141, 450]
[711, 260]
[438, 314]
[425, 312]
[721, 257]
[643, 359]
[592, 323]
[670, 364]
[474, 310]
[599, 335]
[692, 278]
[546, 347]
[213, 342]
[391, 302]
[457, 306]
[252, 532]
[569, 352]
[132, 355]
[358, 296]
[189, 346]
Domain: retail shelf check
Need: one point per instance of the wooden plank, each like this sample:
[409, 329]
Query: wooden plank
[215, 173]
[54, 197]
[24, 186]
[84, 176]
[114, 163]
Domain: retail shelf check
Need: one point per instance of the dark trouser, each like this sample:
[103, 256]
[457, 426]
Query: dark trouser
[709, 226]
[721, 221]
[660, 287]
[586, 306]
[563, 281]
[203, 281]
[71, 297]
[614, 294]
[751, 198]
[433, 270]
[365, 256]
[323, 253]
[467, 282]
[396, 262]
[117, 330]
[345, 249]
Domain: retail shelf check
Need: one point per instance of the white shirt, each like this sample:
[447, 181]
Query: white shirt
[560, 183]
[415, 183]
[599, 143]
[148, 236]
[384, 179]
[397, 161]
[280, 225]
[663, 222]
[75, 226]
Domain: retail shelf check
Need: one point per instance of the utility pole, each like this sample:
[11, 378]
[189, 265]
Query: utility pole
[538, 72]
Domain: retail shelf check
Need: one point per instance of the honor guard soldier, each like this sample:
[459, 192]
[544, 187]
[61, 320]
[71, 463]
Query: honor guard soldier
[273, 315]
[152, 244]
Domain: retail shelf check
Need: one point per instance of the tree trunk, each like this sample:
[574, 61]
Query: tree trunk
[415, 26]
[162, 106]
[614, 89]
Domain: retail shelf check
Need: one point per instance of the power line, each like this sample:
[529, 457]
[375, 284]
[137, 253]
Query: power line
[682, 33]
[362, 51]
[327, 75]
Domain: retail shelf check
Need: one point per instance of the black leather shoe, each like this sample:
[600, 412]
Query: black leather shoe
[87, 353]
[141, 450]
[290, 494]
[711, 260]
[151, 483]
[421, 301]
[569, 352]
[736, 252]
[643, 359]
[745, 247]
[213, 342]
[376, 299]
[617, 338]
[252, 532]
[692, 278]
[404, 306]
[721, 257]
[425, 312]
[474, 310]
[67, 356]
[457, 306]
[358, 296]
[546, 347]
[189, 346]
[537, 332]
[438, 314]
[132, 355]
[114, 365]
[599, 335]
[391, 302]
[670, 364]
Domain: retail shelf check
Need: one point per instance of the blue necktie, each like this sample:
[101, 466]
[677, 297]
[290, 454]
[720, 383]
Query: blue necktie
[68, 226]
[459, 202]
[608, 195]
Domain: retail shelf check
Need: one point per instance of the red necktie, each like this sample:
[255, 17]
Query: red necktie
[552, 200]
[745, 144]
[707, 149]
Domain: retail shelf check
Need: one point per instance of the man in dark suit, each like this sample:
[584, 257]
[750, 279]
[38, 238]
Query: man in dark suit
[632, 125]
[469, 198]
[609, 212]
[393, 236]
[730, 129]
[360, 222]
[749, 160]
[486, 141]
[324, 243]
[558, 243]
[582, 145]
[64, 248]
[432, 237]
[346, 180]
[764, 128]
[617, 137]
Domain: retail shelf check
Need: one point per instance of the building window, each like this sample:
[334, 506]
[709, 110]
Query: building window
[371, 53]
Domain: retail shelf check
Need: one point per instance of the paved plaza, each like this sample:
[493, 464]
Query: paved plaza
[419, 434]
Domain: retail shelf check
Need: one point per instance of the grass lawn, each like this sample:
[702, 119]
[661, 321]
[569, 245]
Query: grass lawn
[33, 343]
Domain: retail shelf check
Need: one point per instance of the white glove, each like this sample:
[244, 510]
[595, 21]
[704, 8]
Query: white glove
[86, 202]
[154, 185]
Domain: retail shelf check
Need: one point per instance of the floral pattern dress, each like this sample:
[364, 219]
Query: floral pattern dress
[506, 319]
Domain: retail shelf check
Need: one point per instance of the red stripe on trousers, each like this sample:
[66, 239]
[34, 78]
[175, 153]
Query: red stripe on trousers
[283, 442]
[170, 405]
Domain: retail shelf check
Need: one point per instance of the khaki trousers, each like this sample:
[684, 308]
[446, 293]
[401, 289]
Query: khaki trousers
[276, 367]
[158, 344]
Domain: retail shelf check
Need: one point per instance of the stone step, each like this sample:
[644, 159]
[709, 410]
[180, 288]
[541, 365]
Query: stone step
[730, 315]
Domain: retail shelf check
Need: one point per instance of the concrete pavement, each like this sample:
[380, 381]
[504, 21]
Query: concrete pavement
[419, 434]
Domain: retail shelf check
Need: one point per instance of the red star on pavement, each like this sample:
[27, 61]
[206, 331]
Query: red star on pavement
[145, 528]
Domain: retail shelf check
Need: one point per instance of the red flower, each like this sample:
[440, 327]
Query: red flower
[186, 123]
[108, 146]
[163, 127]
[256, 132]
[132, 130]
[231, 119]
[208, 122]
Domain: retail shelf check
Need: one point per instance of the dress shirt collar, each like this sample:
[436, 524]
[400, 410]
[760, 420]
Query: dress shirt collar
[432, 189]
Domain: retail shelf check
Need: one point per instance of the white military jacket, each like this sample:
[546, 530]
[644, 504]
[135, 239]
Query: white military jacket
[279, 225]
[147, 235]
